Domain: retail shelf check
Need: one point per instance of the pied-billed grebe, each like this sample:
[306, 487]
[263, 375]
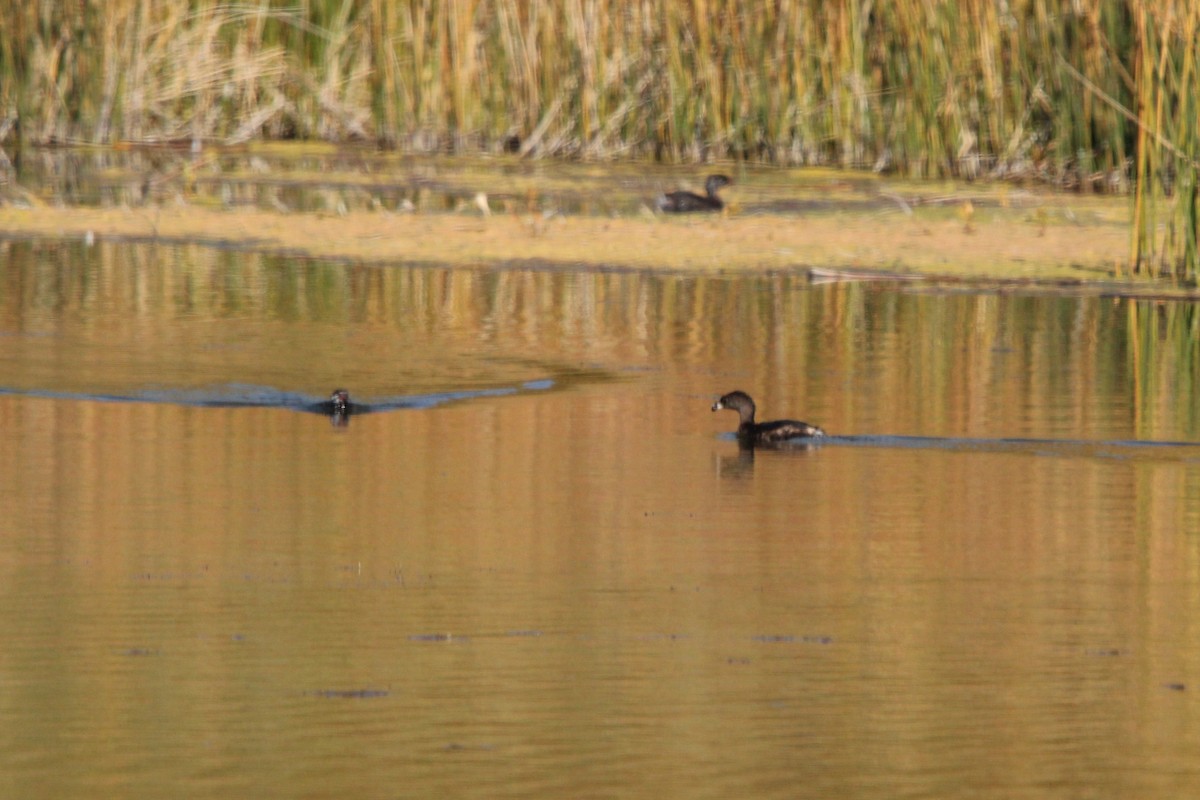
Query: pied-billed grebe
[684, 202]
[751, 432]
[340, 401]
[339, 407]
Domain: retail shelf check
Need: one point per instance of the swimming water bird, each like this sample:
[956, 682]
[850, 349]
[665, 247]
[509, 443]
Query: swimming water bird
[685, 202]
[750, 432]
[339, 407]
[340, 400]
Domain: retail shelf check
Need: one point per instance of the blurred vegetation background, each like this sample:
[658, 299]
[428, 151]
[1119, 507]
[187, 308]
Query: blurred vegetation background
[1091, 95]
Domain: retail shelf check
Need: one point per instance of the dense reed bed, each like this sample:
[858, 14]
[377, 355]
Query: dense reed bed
[1086, 94]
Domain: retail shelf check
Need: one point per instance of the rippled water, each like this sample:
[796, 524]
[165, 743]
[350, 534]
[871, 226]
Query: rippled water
[547, 569]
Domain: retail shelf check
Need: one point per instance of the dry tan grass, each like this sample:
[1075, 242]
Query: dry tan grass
[1003, 247]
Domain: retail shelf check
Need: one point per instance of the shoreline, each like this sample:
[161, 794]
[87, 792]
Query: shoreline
[993, 249]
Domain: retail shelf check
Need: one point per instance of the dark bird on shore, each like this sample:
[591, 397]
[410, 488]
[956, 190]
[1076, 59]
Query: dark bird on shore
[751, 433]
[685, 202]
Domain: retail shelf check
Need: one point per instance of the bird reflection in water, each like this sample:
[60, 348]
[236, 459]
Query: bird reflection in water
[738, 466]
[741, 465]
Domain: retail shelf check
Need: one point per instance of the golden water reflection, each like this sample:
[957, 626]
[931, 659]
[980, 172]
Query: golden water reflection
[586, 591]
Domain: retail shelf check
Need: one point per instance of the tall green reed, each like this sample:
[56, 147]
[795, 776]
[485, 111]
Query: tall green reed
[1167, 158]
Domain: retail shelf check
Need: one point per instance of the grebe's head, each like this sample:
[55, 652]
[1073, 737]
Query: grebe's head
[735, 401]
[715, 182]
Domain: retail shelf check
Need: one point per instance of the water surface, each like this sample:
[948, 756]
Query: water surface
[553, 573]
